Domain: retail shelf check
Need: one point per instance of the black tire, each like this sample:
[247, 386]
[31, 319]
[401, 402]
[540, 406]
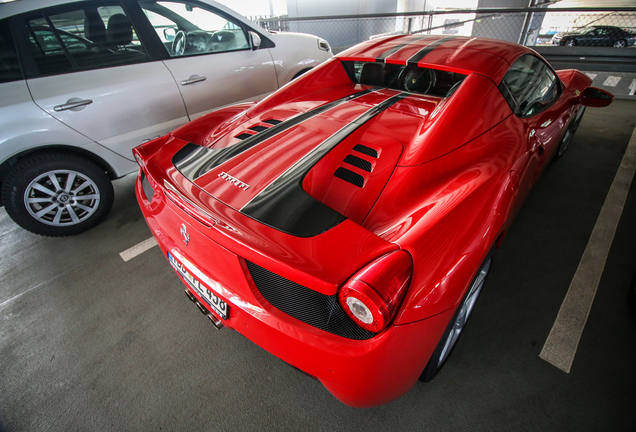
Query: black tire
[458, 322]
[620, 44]
[77, 193]
[569, 134]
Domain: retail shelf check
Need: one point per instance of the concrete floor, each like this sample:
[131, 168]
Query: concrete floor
[89, 342]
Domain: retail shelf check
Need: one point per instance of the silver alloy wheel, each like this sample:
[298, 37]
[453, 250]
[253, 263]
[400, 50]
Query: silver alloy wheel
[61, 197]
[620, 44]
[464, 310]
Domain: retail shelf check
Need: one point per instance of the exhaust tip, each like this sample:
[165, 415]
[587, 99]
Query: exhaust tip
[215, 321]
[190, 295]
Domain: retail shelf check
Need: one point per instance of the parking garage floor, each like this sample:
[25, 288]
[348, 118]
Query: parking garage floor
[90, 342]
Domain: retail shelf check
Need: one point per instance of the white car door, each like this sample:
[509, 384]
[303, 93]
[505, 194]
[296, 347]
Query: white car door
[211, 56]
[94, 75]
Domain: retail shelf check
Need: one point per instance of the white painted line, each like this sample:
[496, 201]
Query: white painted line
[563, 340]
[591, 75]
[632, 87]
[138, 249]
[612, 81]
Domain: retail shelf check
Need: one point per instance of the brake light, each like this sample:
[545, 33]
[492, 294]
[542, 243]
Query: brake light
[372, 297]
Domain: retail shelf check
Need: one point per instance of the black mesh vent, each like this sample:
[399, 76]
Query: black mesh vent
[243, 136]
[258, 128]
[349, 176]
[306, 305]
[358, 162]
[273, 121]
[366, 150]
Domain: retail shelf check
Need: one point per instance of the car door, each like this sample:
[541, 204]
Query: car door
[88, 67]
[210, 55]
[534, 92]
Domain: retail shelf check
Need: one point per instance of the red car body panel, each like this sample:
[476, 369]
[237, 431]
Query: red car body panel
[325, 176]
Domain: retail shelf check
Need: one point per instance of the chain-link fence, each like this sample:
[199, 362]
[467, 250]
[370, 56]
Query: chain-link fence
[531, 27]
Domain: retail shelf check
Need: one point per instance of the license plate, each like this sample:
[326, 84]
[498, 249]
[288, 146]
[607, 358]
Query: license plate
[218, 305]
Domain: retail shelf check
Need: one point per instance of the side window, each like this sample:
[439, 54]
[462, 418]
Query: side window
[9, 64]
[186, 29]
[88, 38]
[530, 86]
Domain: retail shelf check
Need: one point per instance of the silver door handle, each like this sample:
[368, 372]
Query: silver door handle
[70, 105]
[193, 80]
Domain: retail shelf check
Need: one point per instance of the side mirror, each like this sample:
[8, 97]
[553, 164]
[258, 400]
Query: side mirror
[169, 34]
[256, 40]
[596, 97]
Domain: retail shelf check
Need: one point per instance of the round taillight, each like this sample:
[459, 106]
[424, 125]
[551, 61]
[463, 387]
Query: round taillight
[372, 297]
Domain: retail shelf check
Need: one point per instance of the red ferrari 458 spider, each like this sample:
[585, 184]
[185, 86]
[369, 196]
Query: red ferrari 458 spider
[346, 223]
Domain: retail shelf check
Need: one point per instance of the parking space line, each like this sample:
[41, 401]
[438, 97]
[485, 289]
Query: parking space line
[612, 81]
[563, 340]
[138, 249]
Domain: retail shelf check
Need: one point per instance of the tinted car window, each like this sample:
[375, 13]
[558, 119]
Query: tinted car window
[530, 86]
[186, 29]
[86, 38]
[9, 65]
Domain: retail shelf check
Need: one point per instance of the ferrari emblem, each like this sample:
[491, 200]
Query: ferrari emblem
[184, 233]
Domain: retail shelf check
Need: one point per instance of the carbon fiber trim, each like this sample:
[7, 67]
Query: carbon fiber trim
[366, 150]
[357, 162]
[306, 305]
[350, 177]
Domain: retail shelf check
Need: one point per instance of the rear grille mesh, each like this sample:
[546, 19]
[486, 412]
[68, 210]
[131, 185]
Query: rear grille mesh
[306, 305]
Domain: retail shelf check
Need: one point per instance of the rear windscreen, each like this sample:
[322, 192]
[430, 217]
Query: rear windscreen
[414, 79]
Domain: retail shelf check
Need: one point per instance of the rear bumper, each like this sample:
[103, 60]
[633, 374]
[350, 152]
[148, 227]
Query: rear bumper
[359, 373]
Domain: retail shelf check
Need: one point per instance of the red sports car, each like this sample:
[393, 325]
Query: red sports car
[347, 222]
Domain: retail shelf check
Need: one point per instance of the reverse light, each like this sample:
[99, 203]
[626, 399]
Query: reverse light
[372, 297]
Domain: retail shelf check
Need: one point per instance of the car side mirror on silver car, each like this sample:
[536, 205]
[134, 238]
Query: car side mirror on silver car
[256, 40]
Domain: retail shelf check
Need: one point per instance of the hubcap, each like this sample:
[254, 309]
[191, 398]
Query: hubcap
[464, 311]
[61, 198]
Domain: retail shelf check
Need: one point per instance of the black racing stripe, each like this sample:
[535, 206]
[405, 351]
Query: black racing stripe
[284, 205]
[414, 60]
[382, 57]
[193, 160]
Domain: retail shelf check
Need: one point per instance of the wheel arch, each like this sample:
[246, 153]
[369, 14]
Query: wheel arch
[5, 166]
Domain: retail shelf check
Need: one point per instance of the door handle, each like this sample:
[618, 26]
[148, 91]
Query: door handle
[72, 103]
[193, 80]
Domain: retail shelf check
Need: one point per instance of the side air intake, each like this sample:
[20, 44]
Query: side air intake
[357, 168]
[349, 176]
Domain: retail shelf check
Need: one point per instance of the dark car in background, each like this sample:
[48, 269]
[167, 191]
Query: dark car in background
[602, 36]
